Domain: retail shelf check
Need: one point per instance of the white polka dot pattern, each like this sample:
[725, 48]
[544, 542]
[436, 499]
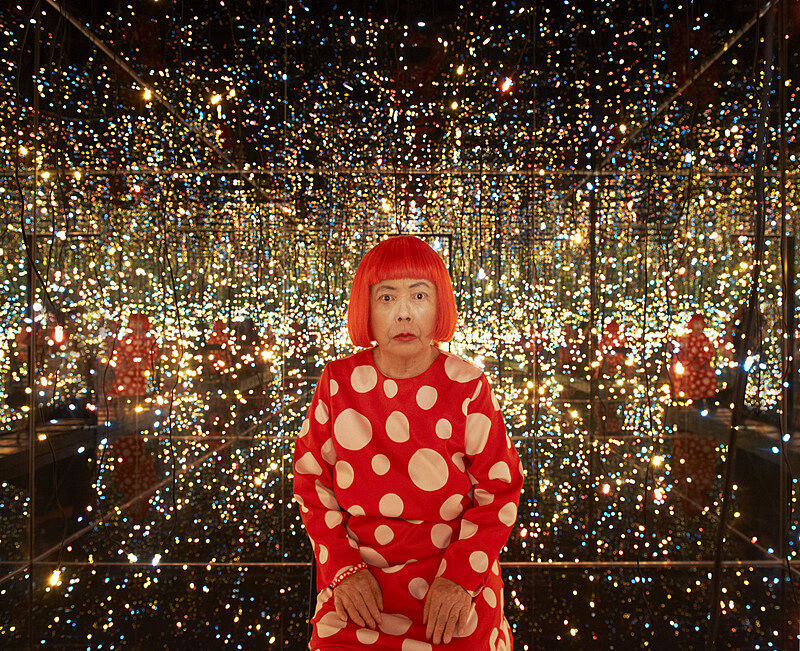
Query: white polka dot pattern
[468, 529]
[390, 388]
[344, 474]
[476, 392]
[321, 413]
[508, 514]
[391, 505]
[441, 534]
[367, 636]
[363, 378]
[372, 557]
[426, 397]
[460, 370]
[330, 624]
[394, 624]
[471, 625]
[451, 508]
[428, 469]
[418, 587]
[477, 433]
[308, 465]
[329, 452]
[500, 471]
[483, 497]
[380, 464]
[326, 496]
[352, 430]
[479, 561]
[384, 534]
[397, 427]
[458, 460]
[442, 567]
[444, 430]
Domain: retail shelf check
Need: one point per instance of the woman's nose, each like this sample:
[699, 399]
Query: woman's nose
[403, 311]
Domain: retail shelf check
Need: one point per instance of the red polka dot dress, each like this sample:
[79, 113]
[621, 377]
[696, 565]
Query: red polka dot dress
[696, 354]
[418, 478]
[134, 360]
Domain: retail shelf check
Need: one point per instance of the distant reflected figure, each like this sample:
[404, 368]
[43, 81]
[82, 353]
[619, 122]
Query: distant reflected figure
[697, 379]
[218, 349]
[134, 356]
[612, 351]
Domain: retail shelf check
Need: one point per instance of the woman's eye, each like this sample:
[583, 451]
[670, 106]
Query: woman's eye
[421, 295]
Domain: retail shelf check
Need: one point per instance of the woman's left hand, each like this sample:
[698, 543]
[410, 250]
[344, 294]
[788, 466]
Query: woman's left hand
[446, 607]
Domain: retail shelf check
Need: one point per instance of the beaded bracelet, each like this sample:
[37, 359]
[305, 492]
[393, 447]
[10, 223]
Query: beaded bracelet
[348, 572]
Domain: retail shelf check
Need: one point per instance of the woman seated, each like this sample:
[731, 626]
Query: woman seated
[407, 480]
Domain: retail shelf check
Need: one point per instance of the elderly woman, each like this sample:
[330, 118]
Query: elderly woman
[407, 480]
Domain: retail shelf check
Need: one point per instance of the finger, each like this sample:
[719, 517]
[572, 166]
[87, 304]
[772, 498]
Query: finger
[450, 625]
[376, 590]
[463, 619]
[432, 613]
[337, 603]
[372, 606]
[352, 611]
[441, 619]
[426, 608]
[363, 610]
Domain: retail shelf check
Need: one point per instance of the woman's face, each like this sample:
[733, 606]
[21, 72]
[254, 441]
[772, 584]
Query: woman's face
[402, 315]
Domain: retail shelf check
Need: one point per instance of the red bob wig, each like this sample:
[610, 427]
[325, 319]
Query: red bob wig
[403, 256]
[697, 317]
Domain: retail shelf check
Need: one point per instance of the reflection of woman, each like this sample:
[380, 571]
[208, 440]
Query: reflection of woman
[134, 358]
[695, 355]
[612, 351]
[407, 480]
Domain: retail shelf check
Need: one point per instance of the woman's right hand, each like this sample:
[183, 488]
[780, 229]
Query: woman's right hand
[359, 597]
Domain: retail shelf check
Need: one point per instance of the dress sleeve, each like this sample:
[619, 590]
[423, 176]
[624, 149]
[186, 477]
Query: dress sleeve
[495, 470]
[324, 519]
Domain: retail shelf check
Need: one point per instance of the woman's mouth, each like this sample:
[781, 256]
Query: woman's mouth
[405, 337]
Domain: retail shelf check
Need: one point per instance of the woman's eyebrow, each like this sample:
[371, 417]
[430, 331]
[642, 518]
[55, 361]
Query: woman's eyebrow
[391, 289]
